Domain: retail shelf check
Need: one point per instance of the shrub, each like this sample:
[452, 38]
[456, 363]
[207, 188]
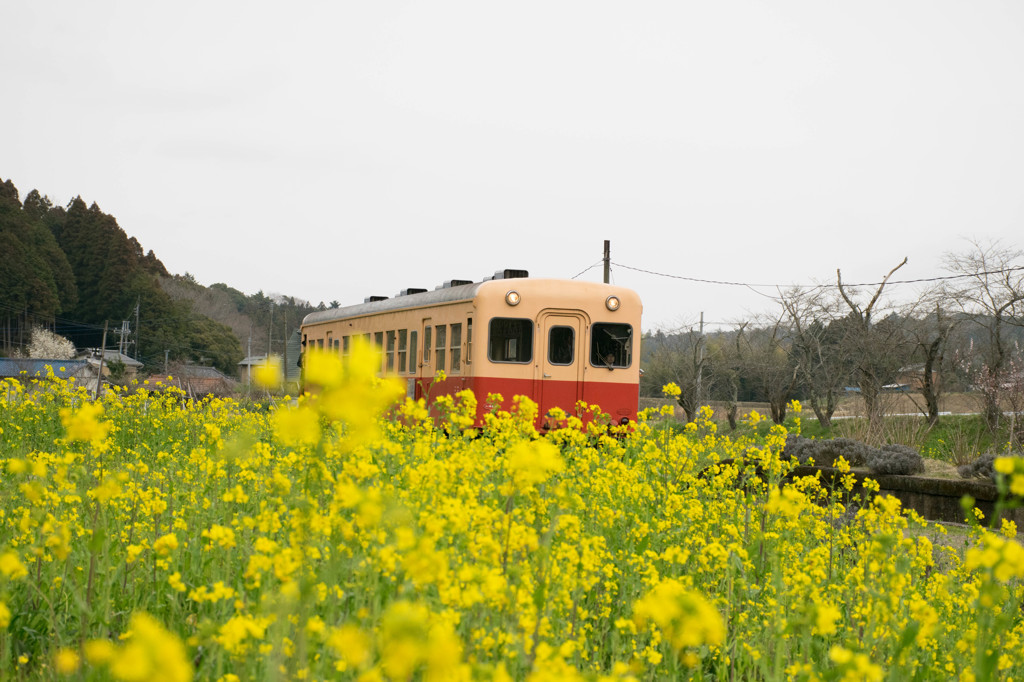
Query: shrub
[979, 468]
[892, 459]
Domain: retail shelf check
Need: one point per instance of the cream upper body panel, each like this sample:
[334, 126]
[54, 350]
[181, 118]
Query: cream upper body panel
[476, 305]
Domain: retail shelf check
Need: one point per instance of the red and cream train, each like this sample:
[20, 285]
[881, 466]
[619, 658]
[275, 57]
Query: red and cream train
[555, 341]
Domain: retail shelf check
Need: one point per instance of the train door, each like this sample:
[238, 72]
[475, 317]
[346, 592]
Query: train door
[561, 360]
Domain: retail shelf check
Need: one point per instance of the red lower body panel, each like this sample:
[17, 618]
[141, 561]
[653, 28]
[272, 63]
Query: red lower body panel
[617, 400]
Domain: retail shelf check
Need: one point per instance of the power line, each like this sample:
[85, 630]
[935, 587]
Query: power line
[588, 269]
[816, 286]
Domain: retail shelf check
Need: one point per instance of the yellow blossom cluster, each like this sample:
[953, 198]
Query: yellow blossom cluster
[350, 535]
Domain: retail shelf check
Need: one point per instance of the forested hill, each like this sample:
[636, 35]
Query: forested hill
[73, 268]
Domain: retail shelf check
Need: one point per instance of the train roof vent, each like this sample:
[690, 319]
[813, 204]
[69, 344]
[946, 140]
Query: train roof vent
[374, 299]
[509, 274]
[452, 283]
[410, 291]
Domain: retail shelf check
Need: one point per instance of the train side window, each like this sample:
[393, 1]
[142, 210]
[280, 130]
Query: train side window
[412, 351]
[319, 343]
[337, 345]
[510, 340]
[402, 349]
[344, 346]
[469, 340]
[611, 345]
[427, 338]
[456, 347]
[561, 345]
[389, 353]
[440, 332]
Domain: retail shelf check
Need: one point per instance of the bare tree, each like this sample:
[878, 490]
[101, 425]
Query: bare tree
[726, 353]
[875, 348]
[767, 364]
[990, 292]
[815, 348]
[929, 327]
[681, 358]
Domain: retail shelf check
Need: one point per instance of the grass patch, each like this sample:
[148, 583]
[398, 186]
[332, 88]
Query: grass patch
[957, 438]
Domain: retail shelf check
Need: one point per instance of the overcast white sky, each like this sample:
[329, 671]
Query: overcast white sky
[333, 150]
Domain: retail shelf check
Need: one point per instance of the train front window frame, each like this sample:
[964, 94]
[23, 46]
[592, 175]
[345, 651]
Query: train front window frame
[561, 345]
[611, 345]
[510, 340]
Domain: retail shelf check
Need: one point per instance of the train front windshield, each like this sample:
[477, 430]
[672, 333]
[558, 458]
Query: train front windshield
[611, 345]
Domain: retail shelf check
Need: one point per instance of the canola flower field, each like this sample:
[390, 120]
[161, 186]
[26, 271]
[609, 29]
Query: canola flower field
[351, 535]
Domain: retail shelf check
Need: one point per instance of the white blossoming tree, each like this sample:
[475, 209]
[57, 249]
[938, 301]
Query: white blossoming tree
[46, 344]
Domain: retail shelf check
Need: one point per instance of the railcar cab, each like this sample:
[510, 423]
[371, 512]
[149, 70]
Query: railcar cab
[561, 342]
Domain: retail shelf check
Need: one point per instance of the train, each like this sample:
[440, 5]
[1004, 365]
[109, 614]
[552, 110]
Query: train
[555, 341]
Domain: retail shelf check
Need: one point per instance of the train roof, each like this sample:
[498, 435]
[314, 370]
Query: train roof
[461, 292]
[447, 294]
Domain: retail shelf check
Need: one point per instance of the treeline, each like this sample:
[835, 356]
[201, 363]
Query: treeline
[73, 269]
[261, 322]
[964, 332]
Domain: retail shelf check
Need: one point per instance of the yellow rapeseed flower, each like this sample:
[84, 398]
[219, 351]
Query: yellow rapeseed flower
[350, 644]
[149, 653]
[686, 618]
[297, 426]
[84, 424]
[533, 462]
[11, 566]
[66, 661]
[269, 374]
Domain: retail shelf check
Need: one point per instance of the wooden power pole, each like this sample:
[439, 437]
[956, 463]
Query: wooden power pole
[103, 354]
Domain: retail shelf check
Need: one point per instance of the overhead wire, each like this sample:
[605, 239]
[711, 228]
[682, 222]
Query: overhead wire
[587, 269]
[751, 286]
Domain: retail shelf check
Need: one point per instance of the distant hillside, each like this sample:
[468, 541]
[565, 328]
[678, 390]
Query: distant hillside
[258, 321]
[74, 269]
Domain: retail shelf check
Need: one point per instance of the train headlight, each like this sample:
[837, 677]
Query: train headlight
[612, 303]
[512, 297]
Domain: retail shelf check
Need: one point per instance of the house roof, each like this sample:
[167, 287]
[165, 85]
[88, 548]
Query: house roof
[92, 355]
[197, 379]
[253, 360]
[37, 367]
[201, 372]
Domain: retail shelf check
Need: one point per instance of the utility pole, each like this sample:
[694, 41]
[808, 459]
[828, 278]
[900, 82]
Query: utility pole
[286, 348]
[137, 302]
[248, 358]
[103, 353]
[122, 342]
[700, 362]
[607, 261]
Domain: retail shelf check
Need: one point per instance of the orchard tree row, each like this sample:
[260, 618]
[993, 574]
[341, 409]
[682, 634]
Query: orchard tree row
[962, 332]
